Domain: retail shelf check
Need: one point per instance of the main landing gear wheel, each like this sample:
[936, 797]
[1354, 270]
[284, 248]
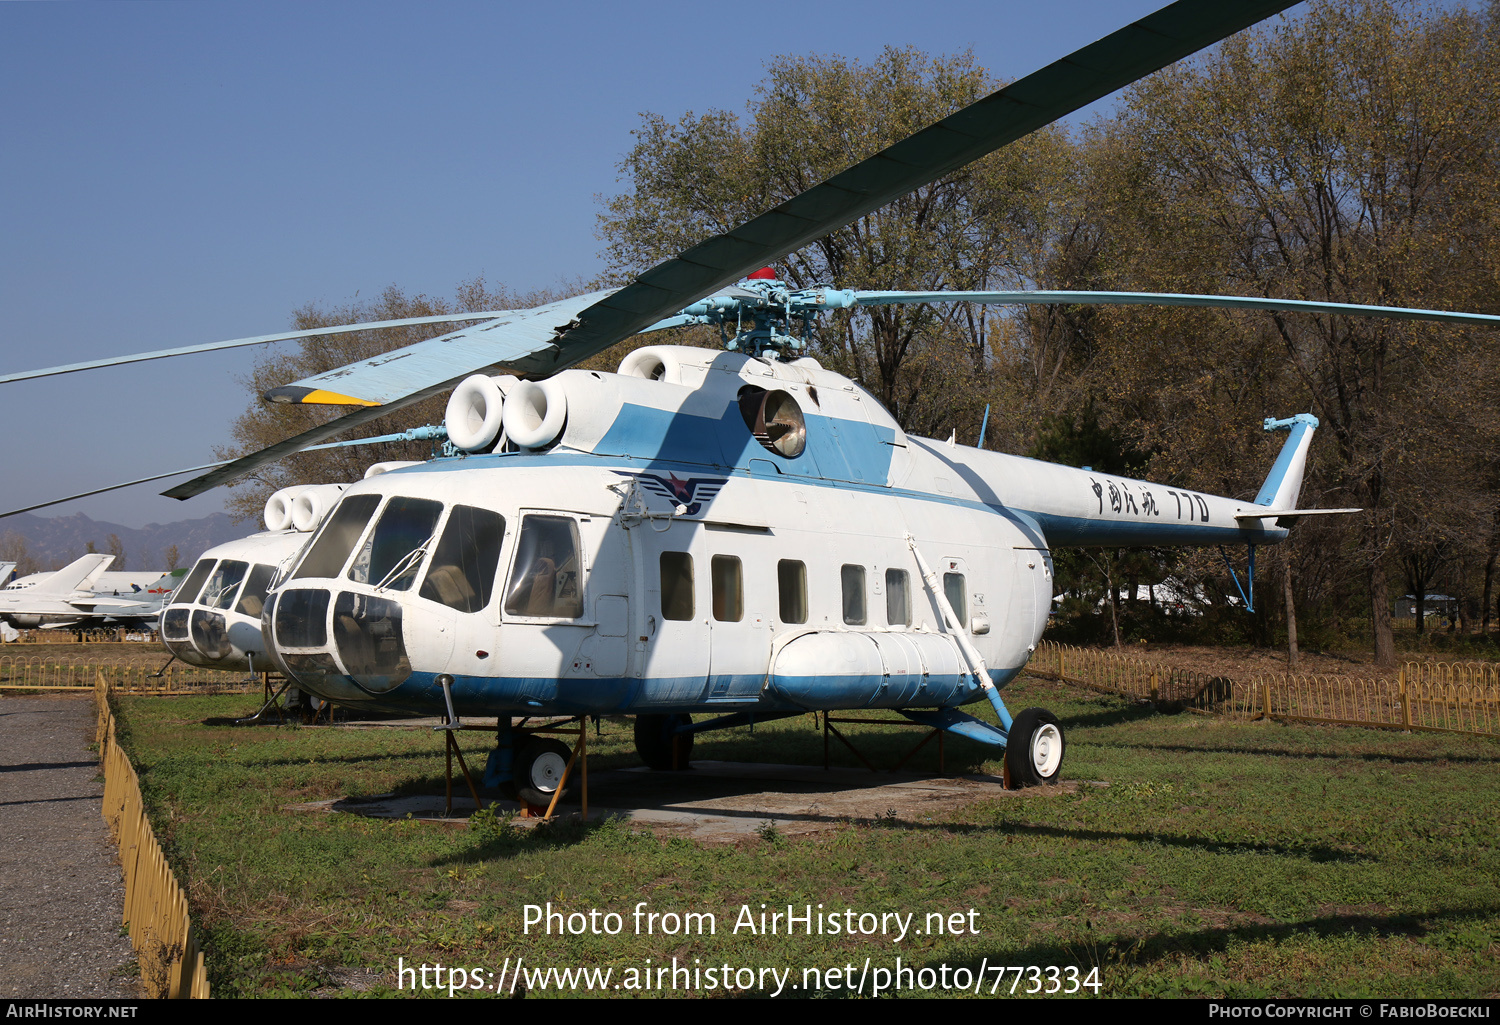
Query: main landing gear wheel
[1034, 754]
[539, 769]
[654, 737]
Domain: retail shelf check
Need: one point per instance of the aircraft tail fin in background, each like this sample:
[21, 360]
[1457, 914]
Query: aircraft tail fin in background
[165, 584]
[75, 576]
[5, 568]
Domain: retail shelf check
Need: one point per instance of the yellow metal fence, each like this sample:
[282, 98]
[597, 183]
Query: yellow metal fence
[1456, 697]
[156, 909]
[43, 672]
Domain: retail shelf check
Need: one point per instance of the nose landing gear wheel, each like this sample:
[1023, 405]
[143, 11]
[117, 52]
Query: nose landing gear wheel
[1034, 754]
[539, 769]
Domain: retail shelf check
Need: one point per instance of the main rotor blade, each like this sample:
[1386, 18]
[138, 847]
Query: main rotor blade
[248, 464]
[235, 343]
[415, 434]
[112, 487]
[1002, 117]
[1234, 302]
[521, 340]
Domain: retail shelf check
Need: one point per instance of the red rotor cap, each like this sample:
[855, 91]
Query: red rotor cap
[764, 274]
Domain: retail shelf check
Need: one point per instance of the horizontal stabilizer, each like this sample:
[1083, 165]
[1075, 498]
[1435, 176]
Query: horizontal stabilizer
[1286, 517]
[116, 607]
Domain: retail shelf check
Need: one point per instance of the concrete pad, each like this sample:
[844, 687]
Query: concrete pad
[726, 801]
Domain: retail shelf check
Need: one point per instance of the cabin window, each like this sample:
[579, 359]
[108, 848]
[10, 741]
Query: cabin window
[953, 590]
[791, 586]
[392, 554]
[729, 589]
[462, 572]
[302, 619]
[853, 579]
[253, 601]
[897, 598]
[336, 538]
[676, 585]
[220, 592]
[194, 583]
[545, 578]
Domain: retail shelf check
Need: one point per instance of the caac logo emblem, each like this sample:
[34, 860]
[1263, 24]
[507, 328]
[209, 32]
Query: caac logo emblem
[691, 493]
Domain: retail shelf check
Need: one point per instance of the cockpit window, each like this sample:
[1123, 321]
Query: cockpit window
[194, 583]
[223, 585]
[393, 552]
[462, 573]
[253, 601]
[545, 580]
[335, 540]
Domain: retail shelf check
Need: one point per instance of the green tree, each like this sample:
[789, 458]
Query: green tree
[812, 117]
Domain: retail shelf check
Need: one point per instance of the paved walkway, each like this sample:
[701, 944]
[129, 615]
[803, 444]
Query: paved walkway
[61, 895]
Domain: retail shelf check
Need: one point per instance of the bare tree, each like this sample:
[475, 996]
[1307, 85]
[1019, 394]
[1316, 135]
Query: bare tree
[1349, 156]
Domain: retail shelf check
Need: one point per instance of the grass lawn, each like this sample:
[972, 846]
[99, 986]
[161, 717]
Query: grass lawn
[1222, 858]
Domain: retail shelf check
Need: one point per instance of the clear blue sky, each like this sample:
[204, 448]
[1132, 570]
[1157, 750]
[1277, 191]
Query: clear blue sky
[175, 173]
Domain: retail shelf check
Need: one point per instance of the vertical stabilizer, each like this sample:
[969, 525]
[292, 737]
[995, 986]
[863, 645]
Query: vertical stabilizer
[75, 576]
[1284, 482]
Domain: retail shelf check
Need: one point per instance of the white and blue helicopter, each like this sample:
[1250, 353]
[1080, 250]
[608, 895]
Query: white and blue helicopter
[739, 534]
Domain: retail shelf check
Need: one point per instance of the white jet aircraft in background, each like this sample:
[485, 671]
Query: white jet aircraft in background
[69, 598]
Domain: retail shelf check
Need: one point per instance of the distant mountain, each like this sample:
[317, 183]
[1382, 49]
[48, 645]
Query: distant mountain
[57, 541]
